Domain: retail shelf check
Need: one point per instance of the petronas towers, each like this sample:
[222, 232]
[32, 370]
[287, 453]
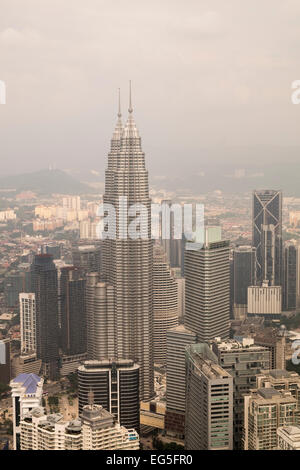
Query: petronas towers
[123, 301]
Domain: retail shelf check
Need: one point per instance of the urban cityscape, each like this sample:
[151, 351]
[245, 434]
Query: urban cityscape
[124, 328]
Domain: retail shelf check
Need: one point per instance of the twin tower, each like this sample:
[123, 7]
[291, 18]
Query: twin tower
[120, 304]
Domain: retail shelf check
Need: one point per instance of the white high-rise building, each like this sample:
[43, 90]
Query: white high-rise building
[26, 390]
[71, 203]
[28, 322]
[265, 300]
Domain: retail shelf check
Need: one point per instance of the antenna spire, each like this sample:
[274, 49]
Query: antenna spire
[119, 112]
[130, 109]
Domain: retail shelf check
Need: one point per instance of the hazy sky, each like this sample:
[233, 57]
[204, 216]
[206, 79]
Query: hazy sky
[205, 75]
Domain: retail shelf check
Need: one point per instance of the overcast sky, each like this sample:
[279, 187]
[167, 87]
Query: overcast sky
[205, 75]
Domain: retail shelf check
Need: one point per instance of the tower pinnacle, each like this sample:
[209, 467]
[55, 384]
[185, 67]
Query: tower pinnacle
[130, 109]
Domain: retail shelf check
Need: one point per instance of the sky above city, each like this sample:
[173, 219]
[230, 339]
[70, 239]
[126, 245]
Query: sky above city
[211, 82]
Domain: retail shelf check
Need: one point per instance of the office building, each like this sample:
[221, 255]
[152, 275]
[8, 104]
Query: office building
[180, 281]
[128, 258]
[265, 410]
[87, 257]
[265, 300]
[207, 287]
[5, 361]
[243, 360]
[282, 380]
[209, 401]
[28, 322]
[72, 306]
[244, 275]
[115, 385]
[178, 339]
[45, 287]
[165, 303]
[290, 264]
[267, 236]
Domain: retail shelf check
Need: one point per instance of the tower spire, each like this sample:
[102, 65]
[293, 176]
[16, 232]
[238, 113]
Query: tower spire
[130, 109]
[119, 111]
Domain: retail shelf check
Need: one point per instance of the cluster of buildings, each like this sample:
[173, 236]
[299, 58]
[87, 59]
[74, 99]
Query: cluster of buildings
[122, 305]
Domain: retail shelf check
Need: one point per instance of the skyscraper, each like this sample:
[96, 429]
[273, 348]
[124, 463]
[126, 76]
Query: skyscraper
[267, 235]
[28, 323]
[165, 303]
[178, 339]
[44, 286]
[244, 275]
[243, 360]
[209, 402]
[127, 261]
[207, 288]
[115, 386]
[290, 263]
[73, 319]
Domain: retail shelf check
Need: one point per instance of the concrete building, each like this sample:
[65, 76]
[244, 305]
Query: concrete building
[207, 287]
[26, 391]
[265, 300]
[28, 322]
[180, 281]
[5, 361]
[115, 385]
[49, 432]
[243, 360]
[72, 311]
[165, 303]
[177, 340]
[266, 410]
[282, 380]
[267, 235]
[290, 264]
[44, 284]
[288, 438]
[209, 401]
[244, 275]
[87, 257]
[101, 432]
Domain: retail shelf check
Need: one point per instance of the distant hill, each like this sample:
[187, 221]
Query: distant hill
[45, 182]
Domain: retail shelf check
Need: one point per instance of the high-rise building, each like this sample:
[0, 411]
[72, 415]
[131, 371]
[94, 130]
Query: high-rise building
[26, 390]
[243, 360]
[171, 245]
[265, 300]
[267, 236]
[17, 282]
[280, 380]
[52, 249]
[71, 203]
[44, 286]
[290, 264]
[28, 322]
[128, 257]
[209, 401]
[244, 275]
[115, 385]
[5, 361]
[207, 287]
[101, 432]
[265, 410]
[72, 304]
[178, 339]
[165, 303]
[87, 257]
[180, 281]
[49, 432]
